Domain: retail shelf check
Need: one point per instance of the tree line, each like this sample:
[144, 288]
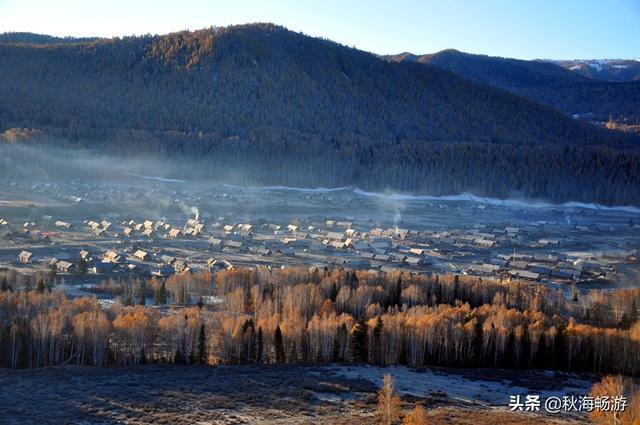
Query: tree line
[603, 175]
[321, 316]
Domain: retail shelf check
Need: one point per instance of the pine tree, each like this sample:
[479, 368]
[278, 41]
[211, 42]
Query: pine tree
[278, 346]
[248, 353]
[161, 294]
[203, 357]
[333, 293]
[41, 286]
[82, 266]
[397, 295]
[4, 284]
[358, 342]
[304, 347]
[260, 346]
[456, 288]
[179, 358]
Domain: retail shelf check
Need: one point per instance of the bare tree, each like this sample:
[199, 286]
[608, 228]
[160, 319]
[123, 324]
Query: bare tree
[388, 401]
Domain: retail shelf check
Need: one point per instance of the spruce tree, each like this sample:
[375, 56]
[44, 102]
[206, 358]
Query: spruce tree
[82, 266]
[397, 296]
[248, 354]
[456, 287]
[41, 286]
[162, 294]
[203, 357]
[333, 293]
[278, 346]
[260, 346]
[4, 284]
[179, 358]
[358, 342]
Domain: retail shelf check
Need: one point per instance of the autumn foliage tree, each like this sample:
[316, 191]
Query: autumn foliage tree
[305, 315]
[389, 404]
[613, 387]
[418, 416]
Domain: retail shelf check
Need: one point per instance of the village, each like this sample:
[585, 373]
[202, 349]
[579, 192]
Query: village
[285, 228]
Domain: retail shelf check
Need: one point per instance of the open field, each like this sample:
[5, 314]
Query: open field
[270, 394]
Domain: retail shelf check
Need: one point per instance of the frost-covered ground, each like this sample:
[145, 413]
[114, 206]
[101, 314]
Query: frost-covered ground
[484, 387]
[268, 394]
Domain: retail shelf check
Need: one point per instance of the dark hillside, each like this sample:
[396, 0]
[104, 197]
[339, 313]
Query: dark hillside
[568, 91]
[285, 108]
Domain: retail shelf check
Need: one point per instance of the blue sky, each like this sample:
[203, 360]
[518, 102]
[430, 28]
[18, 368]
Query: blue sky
[554, 29]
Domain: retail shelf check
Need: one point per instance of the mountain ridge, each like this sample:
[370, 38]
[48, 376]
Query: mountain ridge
[264, 54]
[286, 108]
[550, 83]
[612, 70]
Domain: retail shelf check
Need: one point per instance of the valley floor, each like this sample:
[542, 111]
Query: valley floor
[171, 394]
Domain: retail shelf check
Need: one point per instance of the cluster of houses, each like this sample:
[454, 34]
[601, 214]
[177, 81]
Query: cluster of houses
[26, 257]
[98, 228]
[533, 251]
[535, 267]
[160, 228]
[331, 242]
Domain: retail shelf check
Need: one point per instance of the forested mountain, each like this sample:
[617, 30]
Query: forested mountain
[281, 107]
[30, 38]
[235, 80]
[568, 91]
[604, 69]
[496, 71]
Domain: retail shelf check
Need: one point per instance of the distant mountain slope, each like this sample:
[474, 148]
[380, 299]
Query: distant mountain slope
[496, 71]
[545, 82]
[31, 38]
[232, 81]
[619, 70]
[281, 107]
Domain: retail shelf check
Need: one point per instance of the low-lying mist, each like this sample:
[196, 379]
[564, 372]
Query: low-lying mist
[50, 163]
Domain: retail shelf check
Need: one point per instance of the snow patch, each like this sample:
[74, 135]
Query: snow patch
[498, 202]
[596, 65]
[291, 188]
[460, 387]
[160, 179]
